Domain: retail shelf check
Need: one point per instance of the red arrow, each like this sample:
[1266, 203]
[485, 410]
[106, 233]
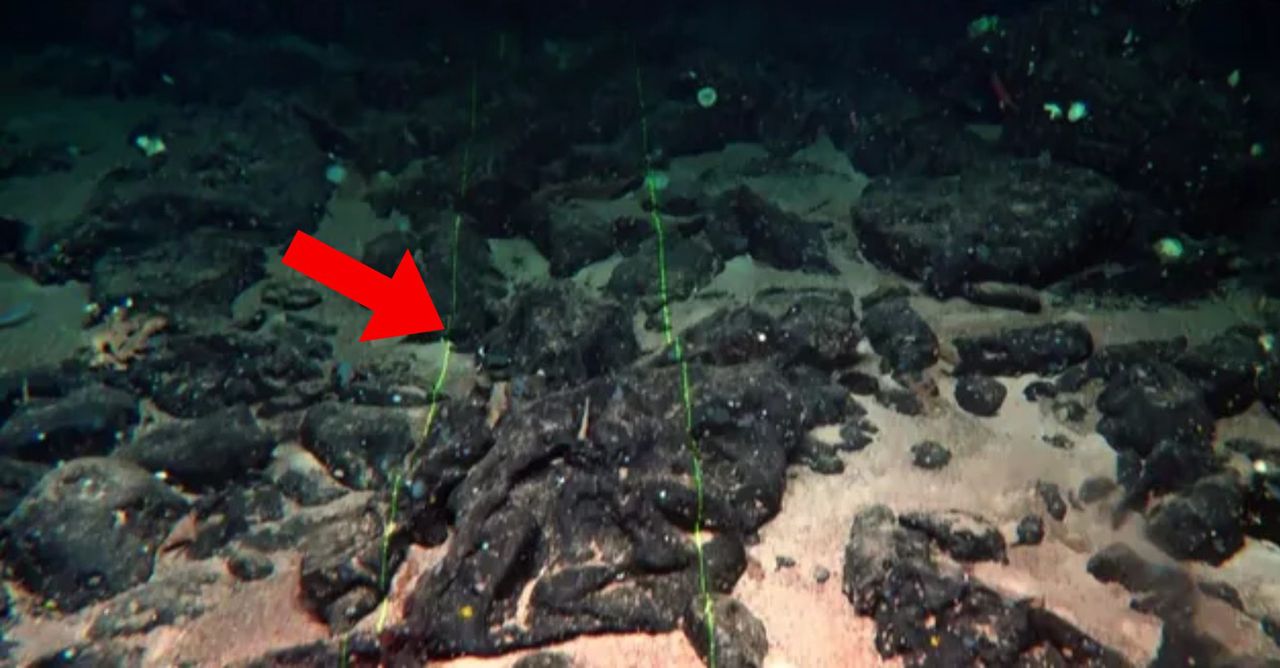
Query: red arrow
[401, 305]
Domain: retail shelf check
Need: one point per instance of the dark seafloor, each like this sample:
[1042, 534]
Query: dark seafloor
[977, 303]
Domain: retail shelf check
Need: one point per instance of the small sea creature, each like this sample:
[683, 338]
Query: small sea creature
[1004, 100]
[499, 403]
[585, 426]
[120, 339]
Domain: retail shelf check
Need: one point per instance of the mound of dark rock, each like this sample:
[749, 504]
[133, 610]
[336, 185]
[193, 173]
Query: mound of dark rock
[930, 614]
[1203, 523]
[1226, 369]
[1169, 467]
[207, 451]
[821, 331]
[196, 374]
[250, 173]
[964, 536]
[733, 335]
[361, 446]
[88, 421]
[1185, 165]
[740, 637]
[563, 334]
[576, 235]
[1148, 403]
[23, 387]
[900, 335]
[1112, 360]
[745, 222]
[690, 266]
[540, 485]
[432, 246]
[817, 331]
[1018, 222]
[1043, 349]
[89, 530]
[197, 276]
[223, 515]
[1162, 430]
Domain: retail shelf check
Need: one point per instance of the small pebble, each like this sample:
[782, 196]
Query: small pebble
[980, 395]
[930, 455]
[1030, 530]
[1053, 501]
[1039, 389]
[853, 437]
[1058, 441]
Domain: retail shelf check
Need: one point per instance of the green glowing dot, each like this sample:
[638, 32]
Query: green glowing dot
[1169, 249]
[983, 25]
[707, 97]
[1257, 150]
[1077, 111]
[1053, 109]
[150, 146]
[335, 174]
[656, 180]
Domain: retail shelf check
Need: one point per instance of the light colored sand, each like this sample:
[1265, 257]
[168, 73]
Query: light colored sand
[97, 130]
[53, 333]
[98, 133]
[258, 617]
[995, 465]
[242, 620]
[627, 651]
[348, 225]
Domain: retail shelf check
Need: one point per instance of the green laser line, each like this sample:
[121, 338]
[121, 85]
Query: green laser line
[686, 393]
[669, 336]
[433, 408]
